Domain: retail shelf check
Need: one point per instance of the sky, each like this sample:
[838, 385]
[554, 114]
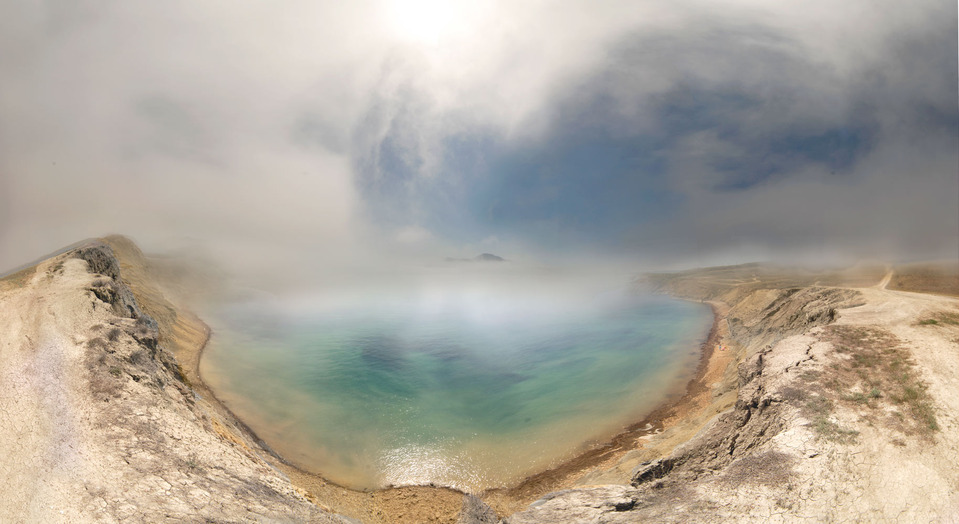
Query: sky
[327, 134]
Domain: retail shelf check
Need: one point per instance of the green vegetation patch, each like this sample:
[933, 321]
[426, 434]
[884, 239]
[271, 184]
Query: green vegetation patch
[877, 374]
[818, 408]
[833, 432]
[769, 468]
[942, 318]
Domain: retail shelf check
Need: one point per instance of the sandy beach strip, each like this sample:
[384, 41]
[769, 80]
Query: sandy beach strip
[696, 398]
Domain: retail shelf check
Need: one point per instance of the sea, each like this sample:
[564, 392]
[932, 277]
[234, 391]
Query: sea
[472, 383]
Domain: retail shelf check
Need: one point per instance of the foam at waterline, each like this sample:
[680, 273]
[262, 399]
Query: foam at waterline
[415, 465]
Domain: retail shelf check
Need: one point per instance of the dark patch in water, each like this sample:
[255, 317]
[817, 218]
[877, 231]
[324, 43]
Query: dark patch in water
[448, 353]
[513, 378]
[382, 353]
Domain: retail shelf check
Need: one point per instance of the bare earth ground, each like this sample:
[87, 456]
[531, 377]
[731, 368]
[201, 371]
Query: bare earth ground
[833, 399]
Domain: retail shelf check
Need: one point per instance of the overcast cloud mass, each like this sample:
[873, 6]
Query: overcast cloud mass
[326, 133]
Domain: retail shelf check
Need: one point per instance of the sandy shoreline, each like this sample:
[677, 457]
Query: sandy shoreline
[507, 499]
[667, 414]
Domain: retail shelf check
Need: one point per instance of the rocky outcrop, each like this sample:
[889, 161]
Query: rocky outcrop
[111, 288]
[475, 511]
[754, 420]
[768, 315]
[612, 504]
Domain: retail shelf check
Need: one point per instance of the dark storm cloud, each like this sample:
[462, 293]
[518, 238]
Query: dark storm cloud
[727, 132]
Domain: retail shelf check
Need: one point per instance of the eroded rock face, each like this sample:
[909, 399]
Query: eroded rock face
[100, 259]
[610, 504]
[110, 289]
[652, 470]
[98, 422]
[475, 511]
[756, 418]
[766, 316]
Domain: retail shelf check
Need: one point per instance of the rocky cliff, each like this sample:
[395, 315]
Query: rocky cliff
[838, 392]
[99, 422]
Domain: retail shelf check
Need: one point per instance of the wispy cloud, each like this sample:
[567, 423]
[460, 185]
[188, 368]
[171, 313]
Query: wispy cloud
[335, 132]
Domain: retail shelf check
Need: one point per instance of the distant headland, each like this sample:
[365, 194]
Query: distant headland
[485, 257]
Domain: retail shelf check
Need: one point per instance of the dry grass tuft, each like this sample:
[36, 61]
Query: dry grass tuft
[937, 278]
[769, 468]
[18, 279]
[943, 318]
[114, 334]
[819, 408]
[876, 373]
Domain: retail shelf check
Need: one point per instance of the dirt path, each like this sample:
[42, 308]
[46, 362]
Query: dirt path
[39, 414]
[885, 280]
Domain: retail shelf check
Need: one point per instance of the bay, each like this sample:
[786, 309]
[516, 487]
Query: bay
[453, 386]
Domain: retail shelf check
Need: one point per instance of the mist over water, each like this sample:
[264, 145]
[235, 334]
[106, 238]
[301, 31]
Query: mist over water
[467, 378]
[293, 160]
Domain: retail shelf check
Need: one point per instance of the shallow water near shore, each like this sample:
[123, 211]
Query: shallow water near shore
[462, 388]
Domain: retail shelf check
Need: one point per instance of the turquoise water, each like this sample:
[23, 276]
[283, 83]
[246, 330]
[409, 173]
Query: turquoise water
[472, 390]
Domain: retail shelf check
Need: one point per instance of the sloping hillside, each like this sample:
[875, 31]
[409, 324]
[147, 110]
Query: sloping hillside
[98, 421]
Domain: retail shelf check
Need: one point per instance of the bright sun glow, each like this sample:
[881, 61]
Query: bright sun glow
[427, 21]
